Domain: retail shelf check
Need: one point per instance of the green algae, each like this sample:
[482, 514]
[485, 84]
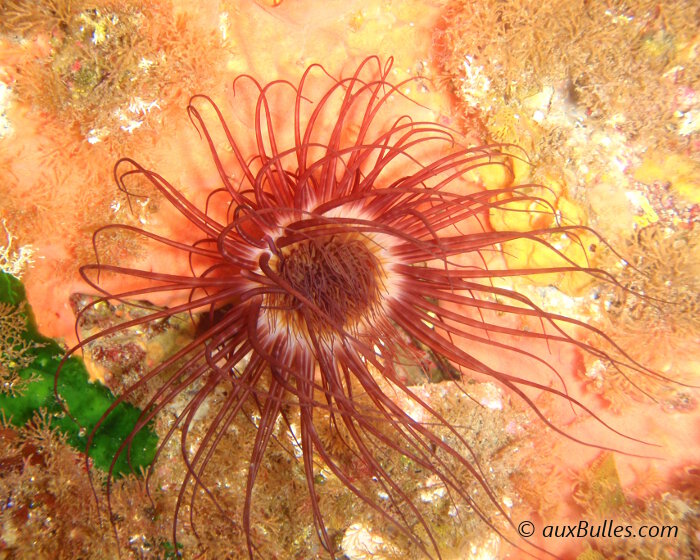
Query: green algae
[85, 401]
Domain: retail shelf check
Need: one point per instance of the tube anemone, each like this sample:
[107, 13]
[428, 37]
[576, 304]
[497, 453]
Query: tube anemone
[322, 265]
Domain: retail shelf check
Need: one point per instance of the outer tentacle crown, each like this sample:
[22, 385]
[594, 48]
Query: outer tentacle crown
[335, 248]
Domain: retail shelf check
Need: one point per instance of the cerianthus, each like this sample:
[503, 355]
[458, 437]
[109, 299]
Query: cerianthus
[323, 264]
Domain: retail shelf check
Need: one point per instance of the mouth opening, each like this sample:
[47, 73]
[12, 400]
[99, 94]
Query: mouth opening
[332, 282]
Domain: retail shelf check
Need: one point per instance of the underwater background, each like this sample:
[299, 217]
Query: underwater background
[604, 97]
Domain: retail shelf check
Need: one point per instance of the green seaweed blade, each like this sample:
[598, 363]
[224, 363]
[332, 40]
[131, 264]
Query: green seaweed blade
[85, 400]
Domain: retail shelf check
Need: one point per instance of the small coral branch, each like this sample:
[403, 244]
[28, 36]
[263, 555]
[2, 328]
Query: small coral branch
[15, 351]
[14, 261]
